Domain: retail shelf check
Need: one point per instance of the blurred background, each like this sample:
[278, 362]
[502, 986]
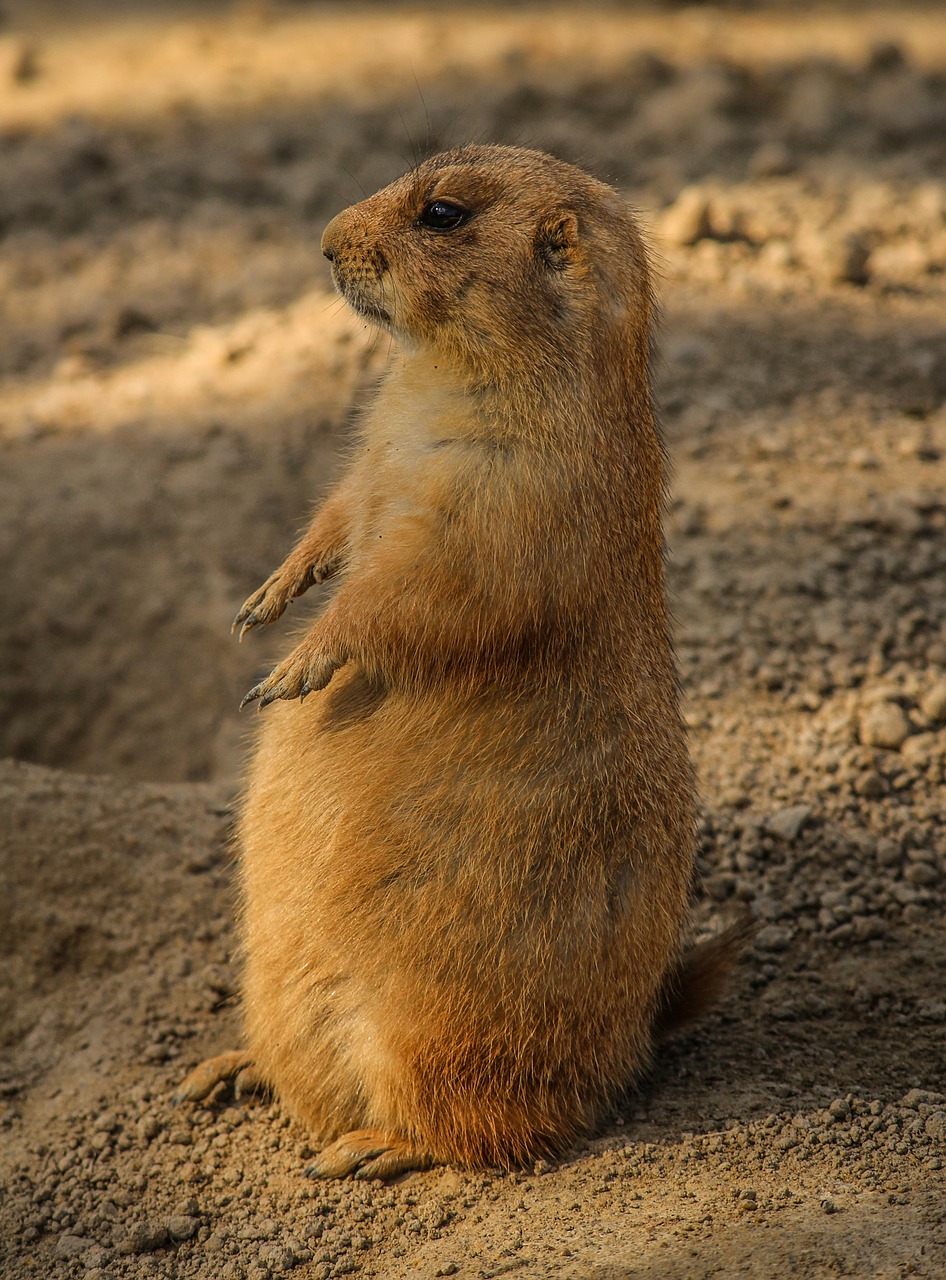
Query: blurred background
[177, 380]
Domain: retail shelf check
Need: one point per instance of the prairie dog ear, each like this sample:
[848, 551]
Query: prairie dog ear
[556, 241]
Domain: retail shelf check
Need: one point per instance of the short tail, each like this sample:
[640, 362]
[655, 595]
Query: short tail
[700, 977]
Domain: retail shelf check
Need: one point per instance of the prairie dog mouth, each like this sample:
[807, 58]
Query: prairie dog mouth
[365, 307]
[370, 310]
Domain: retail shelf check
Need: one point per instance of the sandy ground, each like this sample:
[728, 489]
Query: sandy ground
[176, 385]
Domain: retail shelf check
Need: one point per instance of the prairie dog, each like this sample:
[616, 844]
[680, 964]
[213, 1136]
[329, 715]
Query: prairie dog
[467, 857]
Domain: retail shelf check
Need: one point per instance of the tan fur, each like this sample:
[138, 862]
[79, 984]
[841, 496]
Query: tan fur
[466, 861]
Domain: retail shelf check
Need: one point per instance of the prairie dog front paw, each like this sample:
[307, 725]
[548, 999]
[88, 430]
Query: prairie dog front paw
[290, 580]
[307, 669]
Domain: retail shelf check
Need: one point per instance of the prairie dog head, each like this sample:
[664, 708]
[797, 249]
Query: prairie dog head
[502, 260]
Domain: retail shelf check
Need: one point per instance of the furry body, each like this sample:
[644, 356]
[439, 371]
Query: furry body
[466, 859]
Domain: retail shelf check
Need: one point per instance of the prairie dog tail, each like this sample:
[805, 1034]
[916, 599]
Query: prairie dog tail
[700, 977]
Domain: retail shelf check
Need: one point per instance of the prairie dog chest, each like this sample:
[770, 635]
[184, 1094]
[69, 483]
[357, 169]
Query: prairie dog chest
[420, 457]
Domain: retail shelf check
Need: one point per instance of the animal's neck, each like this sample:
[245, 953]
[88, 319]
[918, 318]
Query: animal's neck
[579, 400]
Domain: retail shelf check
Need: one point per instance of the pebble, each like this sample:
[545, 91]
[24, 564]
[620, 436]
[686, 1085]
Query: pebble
[921, 873]
[884, 725]
[836, 259]
[787, 823]
[773, 938]
[72, 1246]
[914, 1098]
[933, 702]
[182, 1227]
[150, 1127]
[687, 219]
[866, 928]
[871, 785]
[888, 852]
[924, 748]
[144, 1237]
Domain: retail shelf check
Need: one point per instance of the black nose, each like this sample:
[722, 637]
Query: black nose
[330, 254]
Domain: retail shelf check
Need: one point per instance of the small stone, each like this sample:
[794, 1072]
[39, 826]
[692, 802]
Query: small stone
[914, 1098]
[277, 1258]
[687, 219]
[144, 1237]
[150, 1127]
[936, 1126]
[904, 893]
[921, 873]
[828, 1205]
[889, 853]
[71, 1246]
[867, 928]
[884, 725]
[773, 938]
[923, 749]
[837, 259]
[182, 1227]
[933, 702]
[787, 823]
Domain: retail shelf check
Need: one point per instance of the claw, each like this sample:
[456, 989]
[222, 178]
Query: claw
[252, 620]
[252, 695]
[267, 699]
[304, 692]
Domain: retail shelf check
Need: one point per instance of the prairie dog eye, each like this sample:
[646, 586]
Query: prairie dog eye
[443, 215]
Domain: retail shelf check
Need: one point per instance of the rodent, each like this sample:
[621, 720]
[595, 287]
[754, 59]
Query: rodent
[467, 859]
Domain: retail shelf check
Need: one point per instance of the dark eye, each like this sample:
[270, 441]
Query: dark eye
[443, 215]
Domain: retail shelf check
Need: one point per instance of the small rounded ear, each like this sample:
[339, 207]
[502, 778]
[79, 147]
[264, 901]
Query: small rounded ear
[556, 241]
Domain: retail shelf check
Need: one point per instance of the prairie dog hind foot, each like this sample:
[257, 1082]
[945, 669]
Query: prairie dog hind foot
[236, 1068]
[367, 1154]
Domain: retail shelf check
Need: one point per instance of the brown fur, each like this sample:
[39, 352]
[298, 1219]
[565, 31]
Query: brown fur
[466, 862]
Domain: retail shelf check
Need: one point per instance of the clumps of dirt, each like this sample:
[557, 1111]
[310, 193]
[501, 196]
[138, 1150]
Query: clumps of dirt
[785, 234]
[774, 1111]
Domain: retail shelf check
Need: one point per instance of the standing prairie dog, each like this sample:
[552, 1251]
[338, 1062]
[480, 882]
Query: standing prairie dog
[466, 859]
